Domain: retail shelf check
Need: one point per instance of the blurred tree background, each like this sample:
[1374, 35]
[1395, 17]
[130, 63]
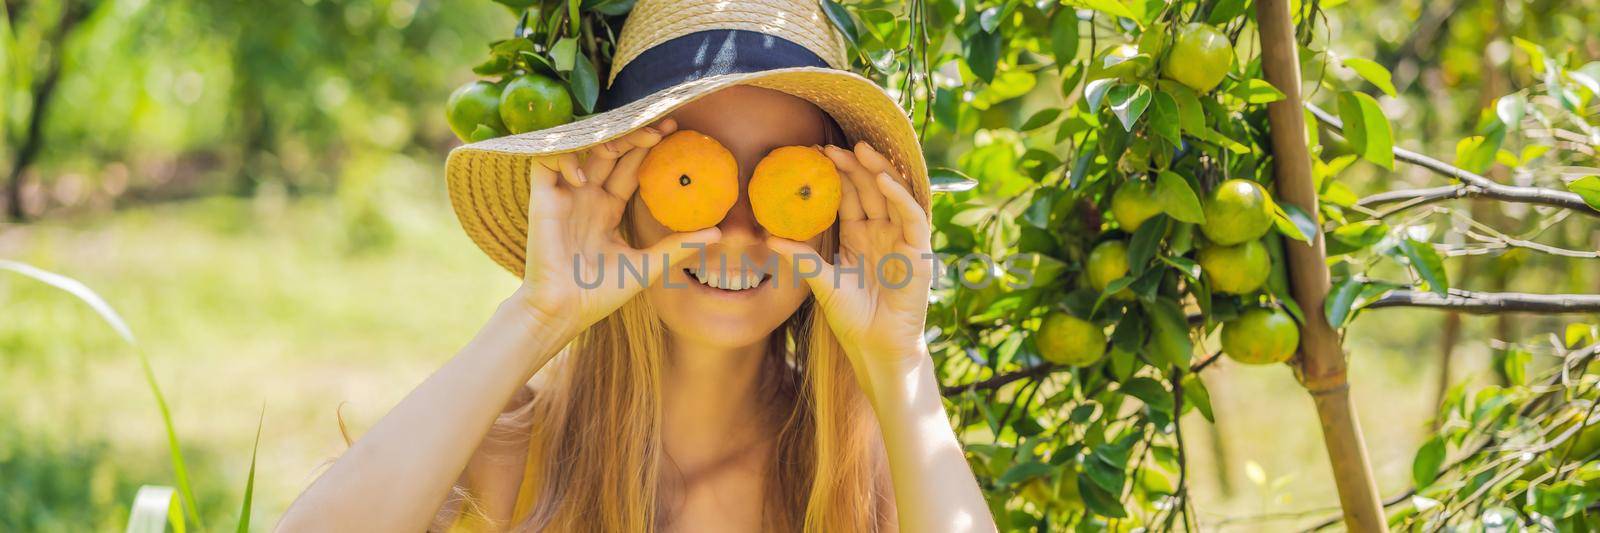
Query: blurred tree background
[256, 186]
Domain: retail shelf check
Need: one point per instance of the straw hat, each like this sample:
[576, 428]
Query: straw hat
[671, 52]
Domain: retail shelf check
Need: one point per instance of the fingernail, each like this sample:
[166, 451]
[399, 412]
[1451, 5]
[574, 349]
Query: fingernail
[583, 179]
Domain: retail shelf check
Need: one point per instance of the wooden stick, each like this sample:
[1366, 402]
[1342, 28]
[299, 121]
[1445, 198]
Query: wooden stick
[1321, 361]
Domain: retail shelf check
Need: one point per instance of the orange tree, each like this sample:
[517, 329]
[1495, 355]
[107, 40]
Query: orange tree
[1126, 180]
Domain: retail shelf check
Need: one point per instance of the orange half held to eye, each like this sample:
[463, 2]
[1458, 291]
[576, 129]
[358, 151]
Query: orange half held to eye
[689, 181]
[794, 192]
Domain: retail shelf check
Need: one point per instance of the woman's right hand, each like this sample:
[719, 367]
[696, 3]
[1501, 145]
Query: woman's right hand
[575, 205]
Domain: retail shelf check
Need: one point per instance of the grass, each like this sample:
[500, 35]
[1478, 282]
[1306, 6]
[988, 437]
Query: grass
[239, 304]
[297, 307]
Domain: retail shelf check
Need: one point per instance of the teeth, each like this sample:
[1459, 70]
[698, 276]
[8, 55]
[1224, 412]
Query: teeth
[728, 281]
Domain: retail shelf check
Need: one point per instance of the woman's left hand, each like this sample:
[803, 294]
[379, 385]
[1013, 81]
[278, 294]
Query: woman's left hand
[875, 298]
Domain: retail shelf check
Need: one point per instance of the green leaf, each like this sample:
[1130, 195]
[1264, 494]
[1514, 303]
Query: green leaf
[1109, 7]
[482, 133]
[1425, 467]
[1142, 247]
[1256, 91]
[1096, 90]
[1169, 331]
[493, 66]
[564, 54]
[1577, 333]
[1024, 471]
[1041, 119]
[1128, 103]
[1588, 188]
[1225, 10]
[946, 179]
[1105, 475]
[1514, 365]
[841, 19]
[1195, 393]
[1191, 114]
[1340, 305]
[1099, 500]
[1185, 266]
[1366, 128]
[585, 83]
[1177, 199]
[1477, 153]
[574, 22]
[1149, 391]
[1064, 36]
[989, 19]
[250, 480]
[983, 55]
[1426, 261]
[1292, 222]
[1372, 72]
[510, 48]
[1356, 236]
[154, 508]
[1164, 119]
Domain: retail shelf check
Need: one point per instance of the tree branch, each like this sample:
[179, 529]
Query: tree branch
[43, 92]
[1001, 380]
[1044, 369]
[1487, 303]
[1472, 184]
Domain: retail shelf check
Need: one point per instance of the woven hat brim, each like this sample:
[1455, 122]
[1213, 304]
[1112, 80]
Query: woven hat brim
[488, 180]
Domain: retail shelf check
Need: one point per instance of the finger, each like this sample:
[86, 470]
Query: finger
[850, 204]
[570, 169]
[625, 176]
[794, 253]
[909, 215]
[871, 201]
[666, 126]
[542, 172]
[874, 161]
[601, 159]
[680, 246]
[641, 138]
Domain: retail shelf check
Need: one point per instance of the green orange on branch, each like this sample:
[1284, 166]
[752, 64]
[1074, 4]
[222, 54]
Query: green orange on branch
[1200, 57]
[1108, 262]
[1064, 339]
[1261, 337]
[1134, 203]
[532, 102]
[1238, 210]
[473, 111]
[1238, 269]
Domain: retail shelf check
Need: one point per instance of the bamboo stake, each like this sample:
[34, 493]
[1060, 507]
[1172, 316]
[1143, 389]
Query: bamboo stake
[1321, 362]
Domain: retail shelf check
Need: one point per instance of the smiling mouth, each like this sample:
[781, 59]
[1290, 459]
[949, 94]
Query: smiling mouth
[732, 281]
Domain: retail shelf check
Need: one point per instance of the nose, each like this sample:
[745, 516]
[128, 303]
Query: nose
[739, 227]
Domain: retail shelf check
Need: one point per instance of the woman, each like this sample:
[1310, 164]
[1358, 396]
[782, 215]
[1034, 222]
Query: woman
[804, 402]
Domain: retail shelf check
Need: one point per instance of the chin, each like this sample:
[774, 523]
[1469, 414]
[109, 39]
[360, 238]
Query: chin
[744, 313]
